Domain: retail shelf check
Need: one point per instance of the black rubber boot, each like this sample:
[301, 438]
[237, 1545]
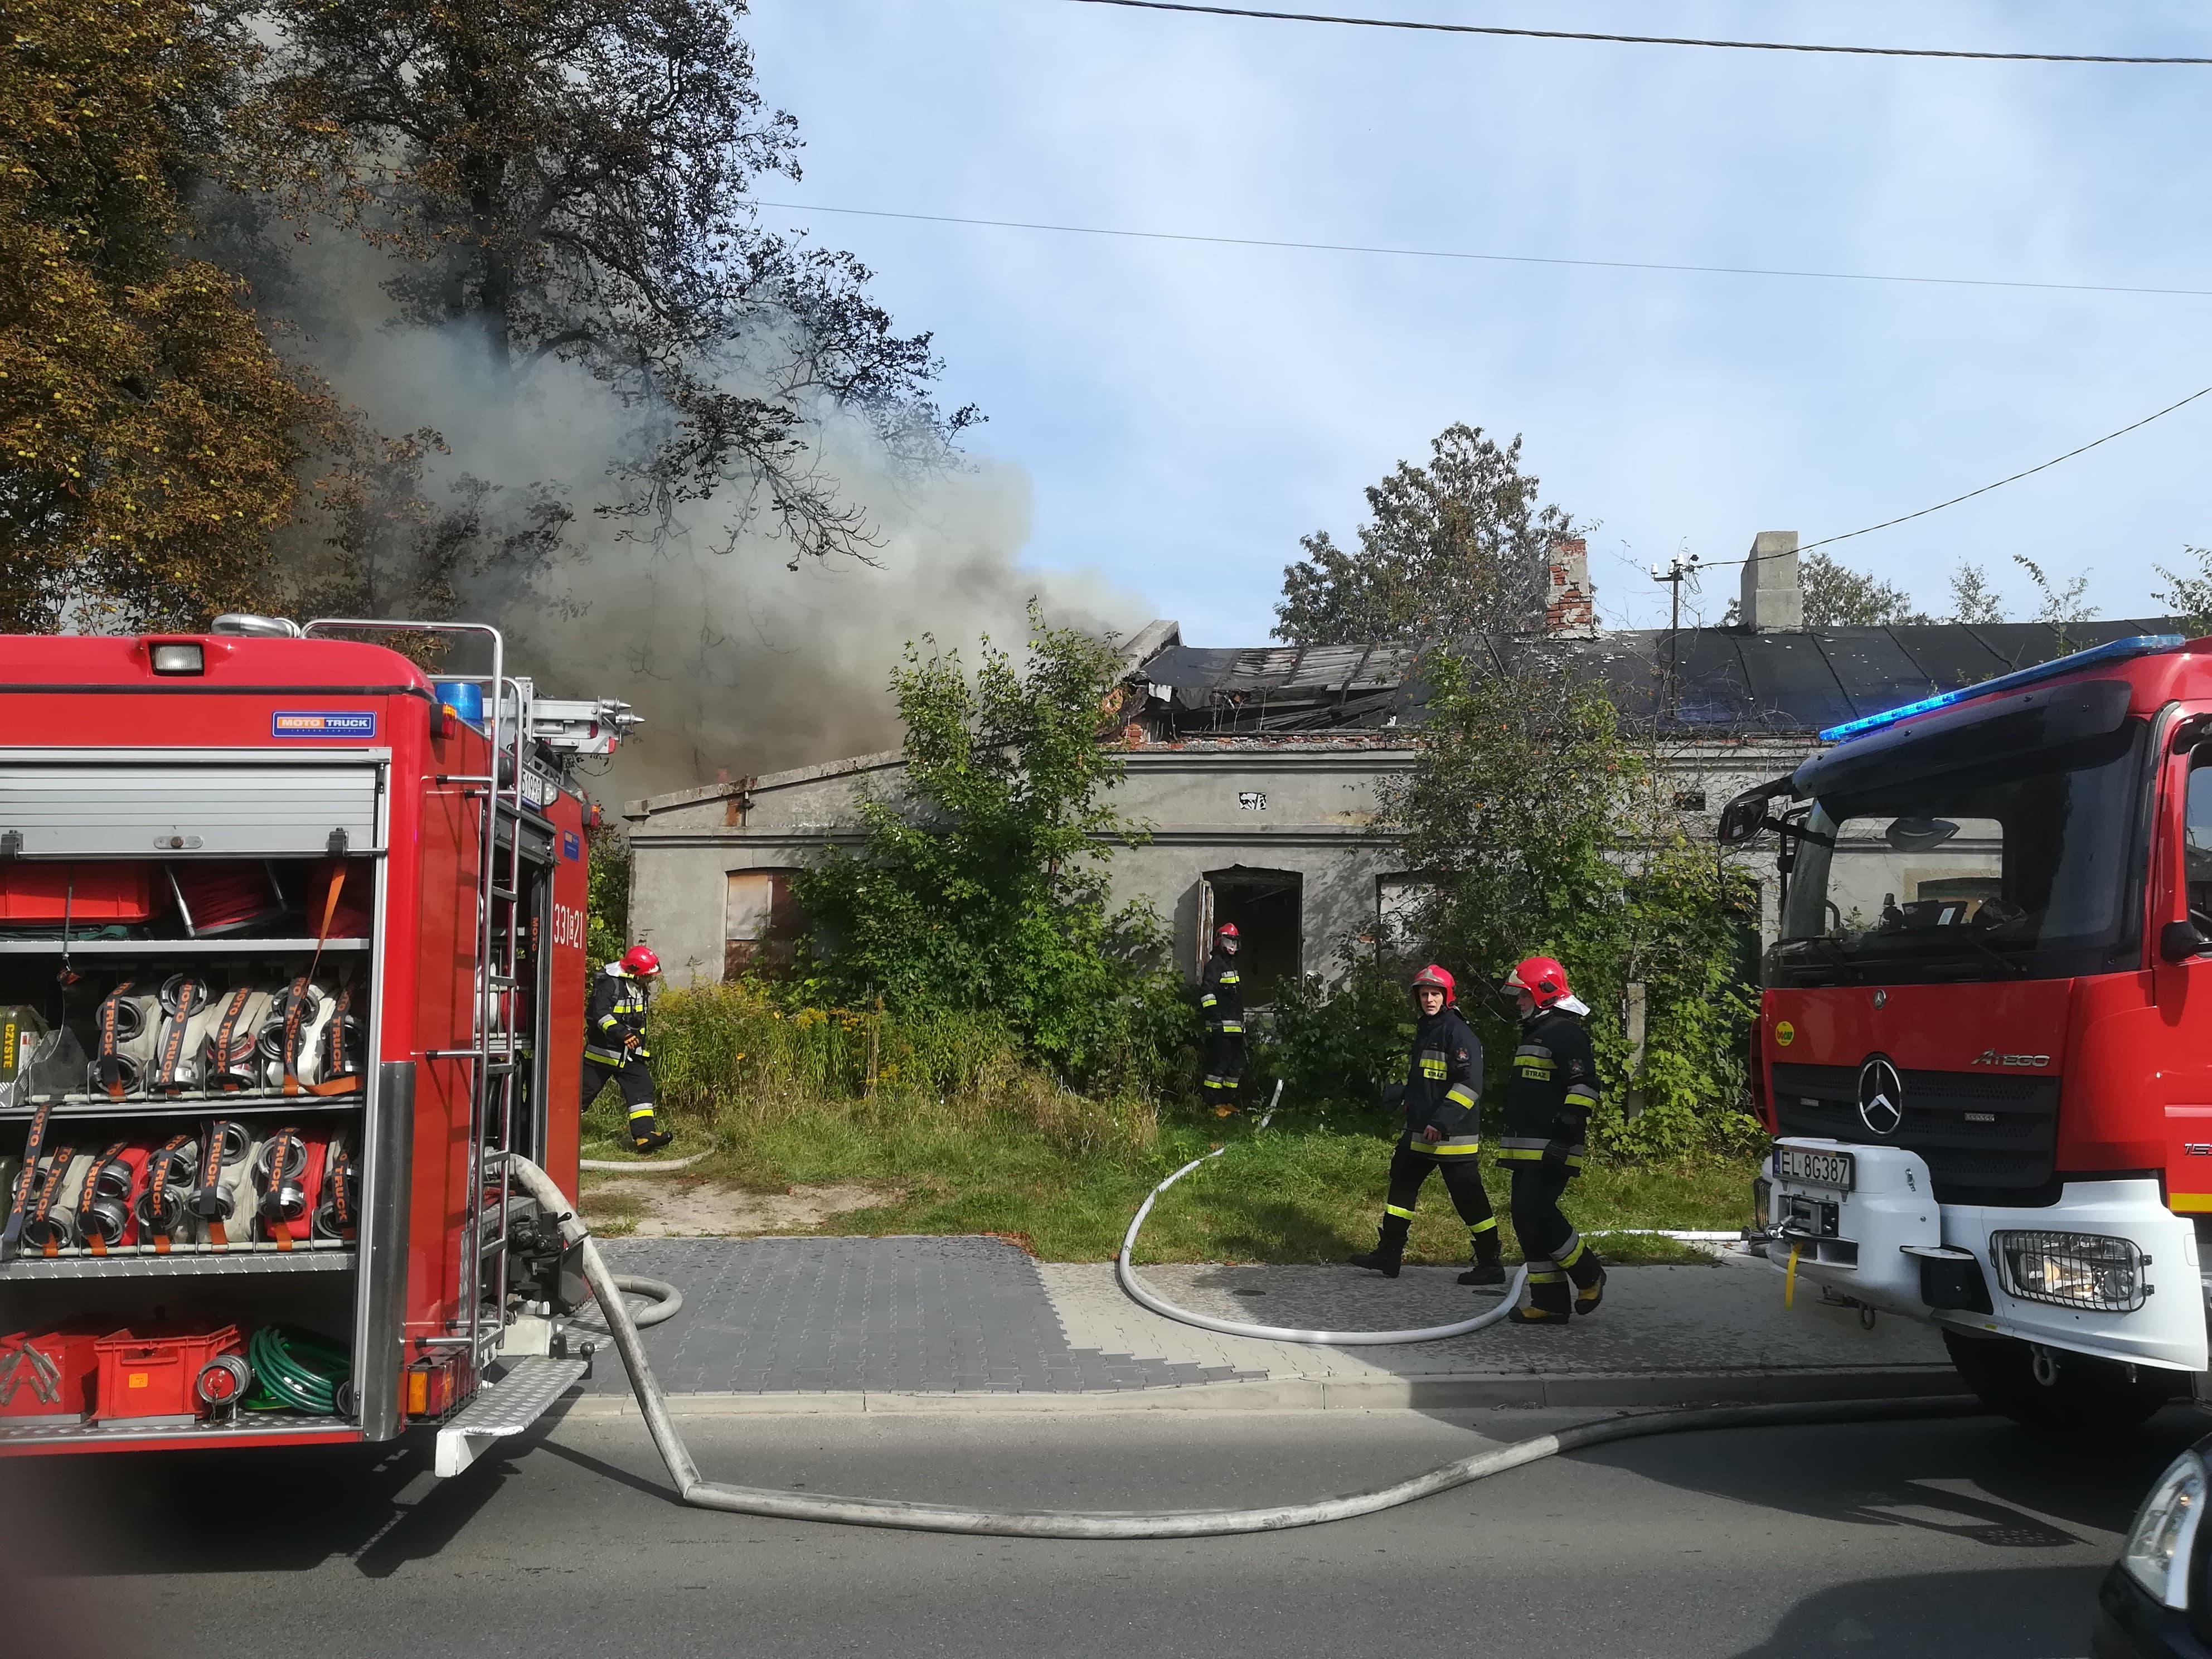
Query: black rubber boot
[1549, 1300]
[645, 1134]
[1587, 1273]
[1489, 1267]
[1389, 1252]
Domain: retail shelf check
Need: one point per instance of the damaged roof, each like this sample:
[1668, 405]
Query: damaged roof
[1725, 680]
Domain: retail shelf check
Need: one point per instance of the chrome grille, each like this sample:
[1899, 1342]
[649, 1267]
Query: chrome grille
[1979, 1134]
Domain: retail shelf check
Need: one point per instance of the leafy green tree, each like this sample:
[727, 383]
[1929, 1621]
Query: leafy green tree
[573, 180]
[982, 884]
[148, 426]
[1973, 598]
[2188, 595]
[1455, 546]
[1837, 596]
[1542, 828]
[607, 904]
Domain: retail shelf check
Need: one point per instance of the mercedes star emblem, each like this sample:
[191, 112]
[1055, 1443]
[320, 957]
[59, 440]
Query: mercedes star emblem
[1881, 1097]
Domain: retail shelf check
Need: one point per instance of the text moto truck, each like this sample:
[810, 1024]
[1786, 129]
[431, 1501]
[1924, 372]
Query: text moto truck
[292, 951]
[1985, 1045]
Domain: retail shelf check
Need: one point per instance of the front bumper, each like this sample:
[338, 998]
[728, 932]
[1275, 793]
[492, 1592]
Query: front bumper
[1888, 1242]
[2130, 1625]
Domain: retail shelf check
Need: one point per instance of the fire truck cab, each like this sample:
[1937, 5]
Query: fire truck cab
[292, 955]
[1984, 1044]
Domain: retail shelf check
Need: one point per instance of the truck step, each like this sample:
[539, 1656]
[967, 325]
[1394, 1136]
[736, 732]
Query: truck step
[523, 1394]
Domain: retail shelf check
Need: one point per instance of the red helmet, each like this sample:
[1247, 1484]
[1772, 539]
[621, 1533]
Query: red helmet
[1543, 979]
[1435, 978]
[1227, 930]
[640, 962]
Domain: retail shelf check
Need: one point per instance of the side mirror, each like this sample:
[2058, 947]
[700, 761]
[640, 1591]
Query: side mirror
[2179, 941]
[1741, 820]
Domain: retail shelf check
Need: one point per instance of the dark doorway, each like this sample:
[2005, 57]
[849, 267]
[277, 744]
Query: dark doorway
[1267, 906]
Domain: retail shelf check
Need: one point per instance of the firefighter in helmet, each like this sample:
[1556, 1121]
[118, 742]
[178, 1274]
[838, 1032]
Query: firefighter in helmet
[614, 1043]
[1221, 1003]
[1443, 1119]
[1547, 1106]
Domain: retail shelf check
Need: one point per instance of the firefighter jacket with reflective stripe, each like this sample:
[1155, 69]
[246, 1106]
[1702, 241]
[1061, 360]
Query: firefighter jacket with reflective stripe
[1221, 997]
[617, 1014]
[1444, 1084]
[1550, 1094]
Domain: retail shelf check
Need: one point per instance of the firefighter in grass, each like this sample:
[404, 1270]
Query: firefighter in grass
[1443, 1103]
[1548, 1101]
[1221, 1004]
[614, 1043]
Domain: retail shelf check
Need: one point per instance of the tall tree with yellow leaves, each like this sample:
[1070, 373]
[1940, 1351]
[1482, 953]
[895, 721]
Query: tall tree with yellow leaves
[147, 429]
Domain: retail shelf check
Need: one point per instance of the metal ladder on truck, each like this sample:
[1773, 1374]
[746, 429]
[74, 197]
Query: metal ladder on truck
[530, 1384]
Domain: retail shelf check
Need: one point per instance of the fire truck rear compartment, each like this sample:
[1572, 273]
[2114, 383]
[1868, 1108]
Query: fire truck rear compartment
[191, 1034]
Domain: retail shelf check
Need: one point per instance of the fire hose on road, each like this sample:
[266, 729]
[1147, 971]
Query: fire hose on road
[694, 1489]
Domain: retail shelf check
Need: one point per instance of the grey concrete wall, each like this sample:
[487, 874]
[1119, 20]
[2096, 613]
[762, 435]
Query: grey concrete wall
[1308, 808]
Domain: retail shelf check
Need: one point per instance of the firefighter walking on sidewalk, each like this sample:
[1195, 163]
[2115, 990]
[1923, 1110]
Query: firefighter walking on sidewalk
[1221, 1004]
[614, 1043]
[1444, 1123]
[1548, 1101]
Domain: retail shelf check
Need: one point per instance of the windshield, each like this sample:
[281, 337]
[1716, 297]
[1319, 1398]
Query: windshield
[2027, 868]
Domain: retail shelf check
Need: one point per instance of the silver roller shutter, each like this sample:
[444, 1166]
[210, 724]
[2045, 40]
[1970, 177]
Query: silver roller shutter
[137, 810]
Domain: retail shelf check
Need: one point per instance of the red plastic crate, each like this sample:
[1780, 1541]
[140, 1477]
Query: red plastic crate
[152, 1375]
[62, 1390]
[94, 893]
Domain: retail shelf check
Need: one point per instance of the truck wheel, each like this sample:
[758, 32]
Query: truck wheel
[2085, 1396]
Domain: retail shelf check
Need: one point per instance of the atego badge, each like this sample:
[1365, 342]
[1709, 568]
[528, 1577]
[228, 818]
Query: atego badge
[1881, 1097]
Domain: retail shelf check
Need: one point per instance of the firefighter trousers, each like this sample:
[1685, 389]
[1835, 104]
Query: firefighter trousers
[634, 1078]
[1555, 1251]
[1224, 1067]
[1410, 1168]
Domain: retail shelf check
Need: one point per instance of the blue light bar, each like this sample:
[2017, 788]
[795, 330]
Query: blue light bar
[2143, 644]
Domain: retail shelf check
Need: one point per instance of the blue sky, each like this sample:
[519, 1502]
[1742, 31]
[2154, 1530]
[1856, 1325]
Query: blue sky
[1185, 412]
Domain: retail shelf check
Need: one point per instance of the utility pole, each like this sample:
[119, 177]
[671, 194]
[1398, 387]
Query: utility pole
[1678, 569]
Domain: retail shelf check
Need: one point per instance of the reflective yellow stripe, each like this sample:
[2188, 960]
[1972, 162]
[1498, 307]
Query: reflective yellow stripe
[1232, 977]
[1206, 1002]
[1481, 1227]
[1581, 1098]
[1522, 1154]
[1459, 1094]
[1572, 1256]
[1551, 1276]
[1231, 1027]
[1392, 1209]
[637, 1112]
[1448, 1149]
[1539, 1069]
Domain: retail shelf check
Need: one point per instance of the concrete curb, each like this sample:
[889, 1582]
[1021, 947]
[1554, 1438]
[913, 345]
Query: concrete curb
[1290, 1393]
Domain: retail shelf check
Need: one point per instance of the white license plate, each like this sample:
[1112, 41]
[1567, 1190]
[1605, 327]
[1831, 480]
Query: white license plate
[1813, 1169]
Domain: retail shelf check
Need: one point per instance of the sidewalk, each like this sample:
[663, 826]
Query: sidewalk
[929, 1324]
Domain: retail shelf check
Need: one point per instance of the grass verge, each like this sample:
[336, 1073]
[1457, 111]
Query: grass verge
[1282, 1194]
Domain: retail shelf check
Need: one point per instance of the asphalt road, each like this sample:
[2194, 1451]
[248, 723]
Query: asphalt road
[1955, 1538]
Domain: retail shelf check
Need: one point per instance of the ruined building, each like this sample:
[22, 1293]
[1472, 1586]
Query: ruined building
[1256, 770]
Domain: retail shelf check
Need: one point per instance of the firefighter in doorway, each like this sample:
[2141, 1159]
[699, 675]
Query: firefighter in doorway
[1221, 1002]
[1443, 1121]
[1547, 1106]
[614, 1043]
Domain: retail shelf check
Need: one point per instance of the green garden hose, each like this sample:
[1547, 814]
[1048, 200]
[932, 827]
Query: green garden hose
[296, 1371]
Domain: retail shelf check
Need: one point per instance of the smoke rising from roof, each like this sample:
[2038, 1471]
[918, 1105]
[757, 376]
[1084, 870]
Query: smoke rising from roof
[738, 663]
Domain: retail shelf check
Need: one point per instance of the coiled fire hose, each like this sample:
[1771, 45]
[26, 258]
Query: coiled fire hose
[705, 1494]
[296, 1372]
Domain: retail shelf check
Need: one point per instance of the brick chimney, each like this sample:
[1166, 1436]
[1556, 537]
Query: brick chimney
[1771, 601]
[1569, 611]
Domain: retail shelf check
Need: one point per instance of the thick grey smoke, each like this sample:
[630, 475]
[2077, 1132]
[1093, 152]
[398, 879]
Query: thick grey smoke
[738, 663]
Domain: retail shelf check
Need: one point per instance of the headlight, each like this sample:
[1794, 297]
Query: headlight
[2161, 1541]
[2075, 1270]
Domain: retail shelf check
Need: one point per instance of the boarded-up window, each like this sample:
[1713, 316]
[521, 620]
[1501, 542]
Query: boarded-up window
[760, 922]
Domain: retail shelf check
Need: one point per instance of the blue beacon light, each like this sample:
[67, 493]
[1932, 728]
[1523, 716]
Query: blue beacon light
[2142, 645]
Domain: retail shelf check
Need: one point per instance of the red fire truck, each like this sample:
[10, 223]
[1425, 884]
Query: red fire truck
[1985, 1045]
[292, 953]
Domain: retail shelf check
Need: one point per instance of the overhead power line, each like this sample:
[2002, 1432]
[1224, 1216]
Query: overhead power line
[1906, 518]
[1642, 39]
[1489, 259]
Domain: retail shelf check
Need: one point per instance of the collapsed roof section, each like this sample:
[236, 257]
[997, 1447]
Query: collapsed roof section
[1720, 682]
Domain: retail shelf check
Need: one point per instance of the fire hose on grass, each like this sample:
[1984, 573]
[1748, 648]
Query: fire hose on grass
[701, 1493]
